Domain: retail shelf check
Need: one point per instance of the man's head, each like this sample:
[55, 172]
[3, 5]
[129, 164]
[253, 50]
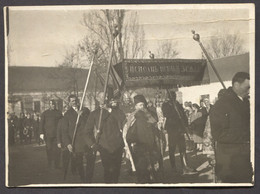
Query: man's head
[100, 97]
[140, 102]
[240, 84]
[149, 103]
[195, 106]
[28, 115]
[73, 100]
[206, 102]
[114, 103]
[52, 104]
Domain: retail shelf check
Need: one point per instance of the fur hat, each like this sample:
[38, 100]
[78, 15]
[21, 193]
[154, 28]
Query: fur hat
[140, 98]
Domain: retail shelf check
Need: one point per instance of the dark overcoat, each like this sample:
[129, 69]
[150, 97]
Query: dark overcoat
[143, 131]
[230, 119]
[110, 130]
[230, 127]
[69, 123]
[173, 123]
[49, 122]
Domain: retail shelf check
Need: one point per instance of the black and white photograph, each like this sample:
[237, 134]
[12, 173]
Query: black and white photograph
[130, 95]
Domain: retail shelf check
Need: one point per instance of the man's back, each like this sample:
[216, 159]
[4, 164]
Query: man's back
[173, 121]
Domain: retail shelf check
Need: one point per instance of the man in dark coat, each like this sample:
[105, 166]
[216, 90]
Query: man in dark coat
[175, 130]
[109, 139]
[230, 127]
[64, 150]
[79, 147]
[48, 132]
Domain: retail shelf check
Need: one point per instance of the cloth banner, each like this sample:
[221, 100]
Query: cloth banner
[163, 73]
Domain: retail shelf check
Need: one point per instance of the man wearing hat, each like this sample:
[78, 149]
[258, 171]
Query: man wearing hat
[142, 132]
[108, 141]
[175, 131]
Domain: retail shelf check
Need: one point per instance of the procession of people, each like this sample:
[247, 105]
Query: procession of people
[143, 136]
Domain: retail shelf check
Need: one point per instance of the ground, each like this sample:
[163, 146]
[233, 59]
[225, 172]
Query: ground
[28, 165]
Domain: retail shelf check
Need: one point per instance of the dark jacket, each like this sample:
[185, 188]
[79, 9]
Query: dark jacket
[20, 124]
[49, 123]
[69, 123]
[36, 124]
[173, 122]
[230, 119]
[198, 125]
[144, 130]
[110, 129]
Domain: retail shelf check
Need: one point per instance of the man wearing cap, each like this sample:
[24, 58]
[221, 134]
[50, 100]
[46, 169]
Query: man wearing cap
[48, 132]
[143, 133]
[230, 127]
[108, 141]
[175, 130]
[69, 123]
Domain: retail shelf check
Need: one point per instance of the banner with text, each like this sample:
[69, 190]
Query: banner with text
[163, 72]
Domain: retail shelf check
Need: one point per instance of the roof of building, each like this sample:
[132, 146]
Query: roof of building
[227, 67]
[46, 79]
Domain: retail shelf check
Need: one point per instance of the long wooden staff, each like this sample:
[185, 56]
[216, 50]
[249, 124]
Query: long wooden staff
[106, 84]
[196, 37]
[78, 116]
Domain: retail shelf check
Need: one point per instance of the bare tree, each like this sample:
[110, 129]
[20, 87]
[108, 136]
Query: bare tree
[166, 49]
[223, 44]
[100, 25]
[133, 37]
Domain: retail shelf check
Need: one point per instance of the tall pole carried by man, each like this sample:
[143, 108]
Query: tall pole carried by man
[196, 37]
[114, 35]
[78, 116]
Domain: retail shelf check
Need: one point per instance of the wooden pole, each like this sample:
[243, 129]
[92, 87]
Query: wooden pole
[196, 37]
[77, 121]
[106, 84]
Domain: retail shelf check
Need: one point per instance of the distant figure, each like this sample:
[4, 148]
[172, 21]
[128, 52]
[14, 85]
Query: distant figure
[151, 55]
[11, 128]
[28, 128]
[36, 126]
[230, 125]
[20, 127]
[197, 126]
[48, 132]
[176, 132]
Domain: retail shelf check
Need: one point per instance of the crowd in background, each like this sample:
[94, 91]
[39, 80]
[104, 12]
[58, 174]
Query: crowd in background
[24, 129]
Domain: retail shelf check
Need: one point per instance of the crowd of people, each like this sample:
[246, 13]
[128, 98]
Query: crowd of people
[143, 132]
[24, 129]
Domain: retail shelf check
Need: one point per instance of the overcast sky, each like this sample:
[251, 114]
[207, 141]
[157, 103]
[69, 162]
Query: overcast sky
[40, 36]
